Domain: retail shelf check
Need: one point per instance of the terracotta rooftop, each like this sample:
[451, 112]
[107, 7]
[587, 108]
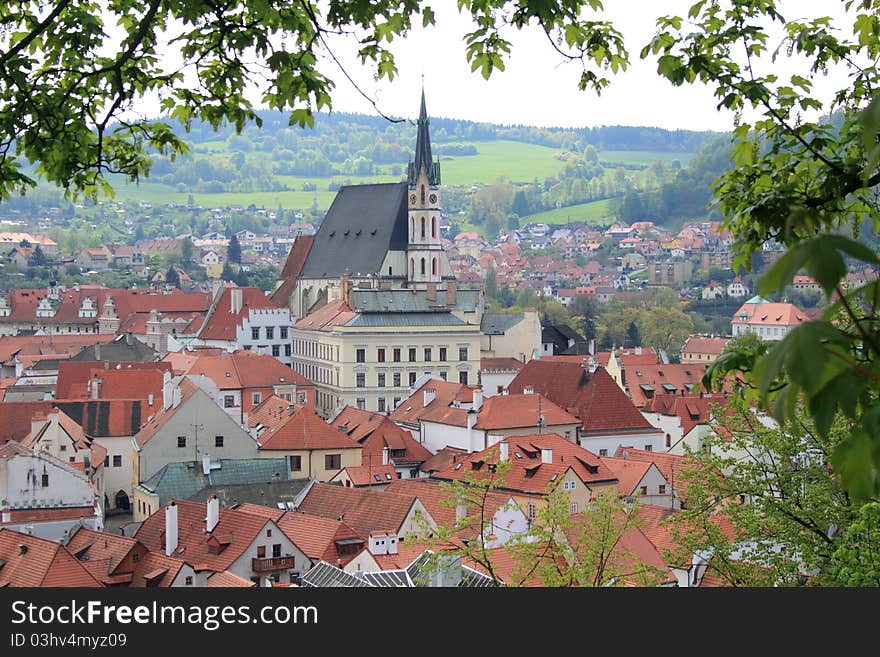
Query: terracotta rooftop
[245, 369]
[16, 416]
[162, 416]
[629, 473]
[295, 428]
[403, 448]
[517, 411]
[222, 323]
[500, 364]
[327, 317]
[293, 265]
[445, 393]
[647, 381]
[700, 344]
[226, 579]
[29, 561]
[357, 423]
[119, 380]
[528, 473]
[444, 458]
[370, 474]
[363, 509]
[670, 465]
[758, 311]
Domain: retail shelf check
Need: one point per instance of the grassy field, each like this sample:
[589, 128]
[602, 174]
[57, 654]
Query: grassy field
[595, 213]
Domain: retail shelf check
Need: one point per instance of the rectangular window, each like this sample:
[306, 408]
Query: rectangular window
[255, 333]
[276, 550]
[332, 461]
[381, 406]
[218, 441]
[574, 508]
[257, 398]
[442, 353]
[412, 379]
[107, 461]
[661, 489]
[270, 332]
[276, 350]
[412, 355]
[462, 353]
[296, 463]
[380, 379]
[427, 354]
[45, 480]
[396, 355]
[463, 377]
[228, 401]
[396, 402]
[643, 490]
[181, 441]
[282, 332]
[380, 355]
[531, 511]
[603, 452]
[361, 403]
[287, 349]
[361, 379]
[396, 378]
[649, 448]
[261, 552]
[361, 355]
[443, 375]
[117, 461]
[189, 580]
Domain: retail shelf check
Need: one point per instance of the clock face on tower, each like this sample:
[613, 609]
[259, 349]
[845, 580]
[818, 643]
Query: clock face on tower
[433, 198]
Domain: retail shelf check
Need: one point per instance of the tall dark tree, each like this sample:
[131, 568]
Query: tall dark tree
[633, 338]
[37, 257]
[172, 277]
[227, 274]
[233, 251]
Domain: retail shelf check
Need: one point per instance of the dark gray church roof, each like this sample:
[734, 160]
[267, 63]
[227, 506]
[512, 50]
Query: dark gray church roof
[363, 223]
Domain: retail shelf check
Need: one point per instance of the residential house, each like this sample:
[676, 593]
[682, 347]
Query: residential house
[767, 320]
[219, 539]
[43, 495]
[642, 480]
[497, 373]
[645, 382]
[607, 416]
[238, 382]
[188, 427]
[538, 464]
[556, 339]
[512, 335]
[702, 348]
[94, 258]
[312, 448]
[30, 562]
[736, 289]
[10, 240]
[684, 420]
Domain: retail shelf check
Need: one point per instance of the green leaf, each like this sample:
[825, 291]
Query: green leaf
[852, 461]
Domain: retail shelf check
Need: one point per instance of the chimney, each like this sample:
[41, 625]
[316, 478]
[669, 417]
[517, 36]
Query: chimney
[478, 399]
[5, 515]
[378, 544]
[150, 399]
[460, 509]
[213, 517]
[431, 292]
[392, 544]
[96, 387]
[451, 293]
[504, 454]
[170, 529]
[528, 390]
[167, 391]
[429, 395]
[98, 351]
[546, 455]
[206, 464]
[235, 300]
[385, 460]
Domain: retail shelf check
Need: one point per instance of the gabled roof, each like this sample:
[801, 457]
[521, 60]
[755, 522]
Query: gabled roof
[670, 465]
[16, 416]
[691, 410]
[701, 344]
[226, 579]
[236, 529]
[222, 323]
[369, 474]
[185, 479]
[74, 375]
[760, 311]
[29, 561]
[245, 369]
[647, 381]
[527, 473]
[445, 457]
[499, 323]
[629, 473]
[327, 317]
[106, 418]
[363, 509]
[363, 223]
[595, 398]
[296, 428]
[411, 410]
[519, 411]
[357, 423]
[162, 416]
[388, 434]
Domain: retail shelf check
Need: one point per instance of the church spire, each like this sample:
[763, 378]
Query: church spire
[423, 151]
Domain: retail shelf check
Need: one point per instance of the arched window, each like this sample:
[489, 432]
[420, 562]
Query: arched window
[423, 228]
[434, 227]
[423, 194]
[412, 265]
[412, 228]
[434, 266]
[423, 266]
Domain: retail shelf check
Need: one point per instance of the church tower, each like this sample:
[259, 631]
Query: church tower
[424, 251]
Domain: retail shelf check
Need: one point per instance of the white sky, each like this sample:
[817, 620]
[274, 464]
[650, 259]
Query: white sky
[537, 87]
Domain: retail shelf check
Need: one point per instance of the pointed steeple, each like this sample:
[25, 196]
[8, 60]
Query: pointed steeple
[423, 151]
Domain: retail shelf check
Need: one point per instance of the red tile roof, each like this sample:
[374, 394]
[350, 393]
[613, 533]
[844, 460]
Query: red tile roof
[371, 474]
[700, 344]
[500, 364]
[74, 375]
[38, 347]
[411, 410]
[527, 472]
[691, 410]
[445, 457]
[293, 265]
[773, 314]
[670, 465]
[105, 418]
[663, 380]
[30, 561]
[16, 416]
[595, 399]
[225, 579]
[629, 473]
[51, 515]
[295, 429]
[327, 317]
[518, 411]
[389, 435]
[162, 416]
[363, 509]
[236, 530]
[222, 323]
[357, 423]
[245, 369]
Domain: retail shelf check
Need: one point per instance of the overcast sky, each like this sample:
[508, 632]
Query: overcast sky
[537, 88]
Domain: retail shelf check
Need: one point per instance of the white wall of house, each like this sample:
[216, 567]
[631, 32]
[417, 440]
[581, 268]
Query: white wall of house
[607, 445]
[668, 424]
[200, 421]
[492, 380]
[243, 566]
[38, 481]
[260, 319]
[507, 522]
[435, 436]
[117, 477]
[362, 563]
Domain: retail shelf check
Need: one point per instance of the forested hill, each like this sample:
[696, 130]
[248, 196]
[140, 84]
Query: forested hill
[340, 125]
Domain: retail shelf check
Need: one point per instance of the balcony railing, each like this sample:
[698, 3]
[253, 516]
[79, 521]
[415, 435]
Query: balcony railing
[271, 563]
